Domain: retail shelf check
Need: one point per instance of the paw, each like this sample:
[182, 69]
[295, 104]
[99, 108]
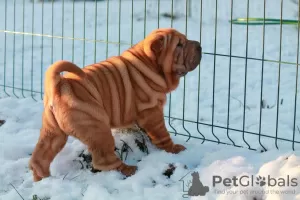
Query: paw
[36, 177]
[127, 170]
[38, 172]
[177, 148]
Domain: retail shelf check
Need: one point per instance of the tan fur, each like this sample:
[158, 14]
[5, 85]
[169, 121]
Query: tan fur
[118, 92]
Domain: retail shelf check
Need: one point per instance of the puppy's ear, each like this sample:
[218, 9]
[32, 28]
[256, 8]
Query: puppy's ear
[157, 45]
[154, 45]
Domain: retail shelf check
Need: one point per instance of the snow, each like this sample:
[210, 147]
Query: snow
[68, 181]
[19, 134]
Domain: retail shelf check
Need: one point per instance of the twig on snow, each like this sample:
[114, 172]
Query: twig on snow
[84, 190]
[142, 145]
[241, 104]
[75, 177]
[17, 191]
[2, 122]
[65, 176]
[82, 166]
[124, 149]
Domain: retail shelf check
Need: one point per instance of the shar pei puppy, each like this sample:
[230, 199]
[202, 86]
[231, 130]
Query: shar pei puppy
[118, 92]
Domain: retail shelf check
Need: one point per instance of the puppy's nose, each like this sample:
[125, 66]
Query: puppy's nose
[197, 46]
[199, 49]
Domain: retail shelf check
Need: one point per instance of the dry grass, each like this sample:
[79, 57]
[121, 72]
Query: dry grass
[2, 122]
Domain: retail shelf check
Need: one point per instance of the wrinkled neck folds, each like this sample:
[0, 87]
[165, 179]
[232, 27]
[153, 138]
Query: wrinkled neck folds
[158, 71]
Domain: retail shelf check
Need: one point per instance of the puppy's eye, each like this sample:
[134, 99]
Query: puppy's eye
[179, 45]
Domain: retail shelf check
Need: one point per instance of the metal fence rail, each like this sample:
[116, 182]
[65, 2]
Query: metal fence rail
[35, 33]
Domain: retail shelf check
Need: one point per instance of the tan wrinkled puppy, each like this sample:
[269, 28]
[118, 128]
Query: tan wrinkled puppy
[118, 92]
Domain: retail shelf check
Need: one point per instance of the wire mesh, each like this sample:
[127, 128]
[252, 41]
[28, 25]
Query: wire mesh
[235, 69]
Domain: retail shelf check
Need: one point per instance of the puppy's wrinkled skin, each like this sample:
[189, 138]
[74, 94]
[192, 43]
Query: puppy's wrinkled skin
[118, 92]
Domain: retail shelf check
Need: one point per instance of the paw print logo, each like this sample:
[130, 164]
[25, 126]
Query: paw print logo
[261, 181]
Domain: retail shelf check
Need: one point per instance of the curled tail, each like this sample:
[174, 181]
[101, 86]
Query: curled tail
[53, 72]
[52, 76]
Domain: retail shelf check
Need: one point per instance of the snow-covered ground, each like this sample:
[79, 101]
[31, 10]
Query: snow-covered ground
[24, 64]
[69, 181]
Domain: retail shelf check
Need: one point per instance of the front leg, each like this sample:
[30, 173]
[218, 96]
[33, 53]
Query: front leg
[152, 121]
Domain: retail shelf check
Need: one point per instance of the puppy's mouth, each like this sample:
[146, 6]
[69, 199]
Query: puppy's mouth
[180, 74]
[192, 62]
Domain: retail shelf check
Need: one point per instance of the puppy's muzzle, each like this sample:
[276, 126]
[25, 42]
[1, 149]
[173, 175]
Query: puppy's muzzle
[196, 54]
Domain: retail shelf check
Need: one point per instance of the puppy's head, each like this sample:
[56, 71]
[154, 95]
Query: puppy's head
[172, 51]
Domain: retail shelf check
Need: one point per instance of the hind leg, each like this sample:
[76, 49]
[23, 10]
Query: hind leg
[51, 141]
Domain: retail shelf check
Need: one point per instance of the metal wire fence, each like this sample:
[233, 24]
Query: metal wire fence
[244, 93]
